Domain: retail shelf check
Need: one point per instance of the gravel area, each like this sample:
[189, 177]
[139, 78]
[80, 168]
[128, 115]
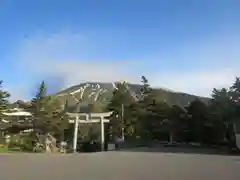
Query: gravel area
[120, 165]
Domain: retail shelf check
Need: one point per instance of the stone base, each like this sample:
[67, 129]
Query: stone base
[111, 147]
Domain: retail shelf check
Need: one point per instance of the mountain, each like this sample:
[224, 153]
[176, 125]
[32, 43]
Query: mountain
[100, 94]
[19, 104]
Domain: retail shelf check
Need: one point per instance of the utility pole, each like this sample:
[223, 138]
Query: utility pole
[122, 118]
[17, 111]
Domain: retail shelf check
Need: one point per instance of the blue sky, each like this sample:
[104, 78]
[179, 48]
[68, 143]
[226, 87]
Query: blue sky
[186, 45]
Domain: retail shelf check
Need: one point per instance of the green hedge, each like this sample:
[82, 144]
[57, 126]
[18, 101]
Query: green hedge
[26, 144]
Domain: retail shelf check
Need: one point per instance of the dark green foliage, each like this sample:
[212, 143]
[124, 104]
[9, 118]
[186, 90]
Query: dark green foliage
[154, 118]
[198, 111]
[120, 100]
[140, 113]
[38, 108]
[235, 91]
[146, 89]
[152, 112]
[175, 122]
[25, 143]
[235, 96]
[48, 113]
[4, 95]
[89, 146]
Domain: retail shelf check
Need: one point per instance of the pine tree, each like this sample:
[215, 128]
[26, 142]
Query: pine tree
[155, 117]
[4, 95]
[173, 121]
[37, 107]
[121, 98]
[235, 91]
[146, 89]
[221, 105]
[151, 111]
[225, 110]
[47, 112]
[235, 99]
[235, 96]
[57, 121]
[199, 112]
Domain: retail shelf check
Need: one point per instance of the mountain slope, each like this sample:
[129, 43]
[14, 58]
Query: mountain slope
[101, 93]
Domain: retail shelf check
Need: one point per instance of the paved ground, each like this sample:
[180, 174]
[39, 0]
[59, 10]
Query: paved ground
[122, 165]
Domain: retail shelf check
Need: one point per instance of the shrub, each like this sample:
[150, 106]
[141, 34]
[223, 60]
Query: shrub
[14, 146]
[90, 146]
[26, 144]
[2, 146]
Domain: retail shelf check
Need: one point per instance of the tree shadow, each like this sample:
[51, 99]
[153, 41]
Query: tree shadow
[182, 150]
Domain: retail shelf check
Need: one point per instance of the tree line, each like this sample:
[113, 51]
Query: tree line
[147, 118]
[151, 118]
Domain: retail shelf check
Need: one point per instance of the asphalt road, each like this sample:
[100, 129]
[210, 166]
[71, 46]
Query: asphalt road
[119, 166]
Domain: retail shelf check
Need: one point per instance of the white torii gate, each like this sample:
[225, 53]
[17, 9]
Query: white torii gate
[87, 120]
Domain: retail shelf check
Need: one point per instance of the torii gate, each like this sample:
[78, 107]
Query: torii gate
[88, 119]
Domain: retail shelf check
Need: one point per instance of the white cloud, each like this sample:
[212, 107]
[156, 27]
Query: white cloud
[16, 92]
[210, 63]
[74, 72]
[60, 60]
[60, 57]
[197, 82]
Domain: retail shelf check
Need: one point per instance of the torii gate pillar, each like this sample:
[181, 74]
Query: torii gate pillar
[102, 133]
[76, 123]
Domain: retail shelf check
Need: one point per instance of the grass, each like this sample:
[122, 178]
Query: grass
[4, 150]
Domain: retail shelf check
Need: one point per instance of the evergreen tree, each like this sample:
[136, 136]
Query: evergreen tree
[235, 96]
[47, 112]
[155, 117]
[146, 87]
[221, 105]
[37, 107]
[225, 111]
[131, 119]
[235, 99]
[4, 95]
[151, 111]
[120, 100]
[55, 119]
[235, 91]
[61, 120]
[146, 91]
[199, 112]
[220, 113]
[174, 121]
